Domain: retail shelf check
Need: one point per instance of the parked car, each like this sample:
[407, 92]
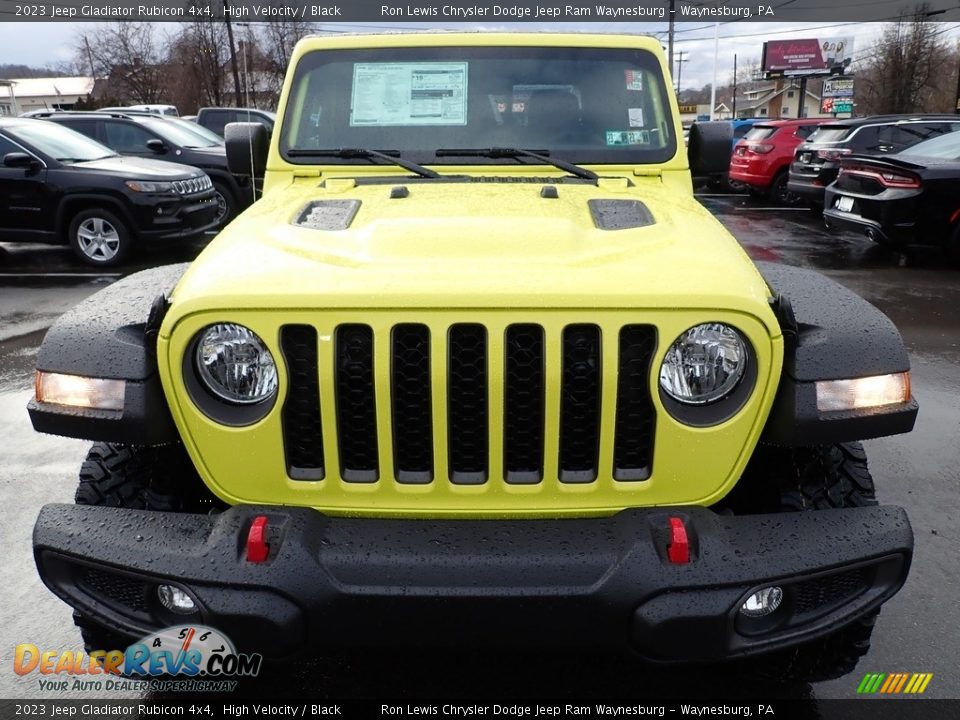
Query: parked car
[217, 118]
[817, 161]
[168, 110]
[761, 160]
[910, 197]
[60, 186]
[144, 135]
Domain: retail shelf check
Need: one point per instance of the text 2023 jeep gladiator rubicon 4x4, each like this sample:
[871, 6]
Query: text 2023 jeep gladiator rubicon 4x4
[478, 368]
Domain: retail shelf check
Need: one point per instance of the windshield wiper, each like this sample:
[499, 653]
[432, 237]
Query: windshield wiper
[392, 156]
[505, 152]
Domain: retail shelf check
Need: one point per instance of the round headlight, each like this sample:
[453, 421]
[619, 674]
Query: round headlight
[235, 364]
[704, 364]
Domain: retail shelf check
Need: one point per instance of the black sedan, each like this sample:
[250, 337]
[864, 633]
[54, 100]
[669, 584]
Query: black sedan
[912, 197]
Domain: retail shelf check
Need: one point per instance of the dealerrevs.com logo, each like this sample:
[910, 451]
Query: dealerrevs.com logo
[201, 655]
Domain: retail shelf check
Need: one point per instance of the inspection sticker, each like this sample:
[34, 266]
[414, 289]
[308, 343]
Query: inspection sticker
[634, 79]
[628, 137]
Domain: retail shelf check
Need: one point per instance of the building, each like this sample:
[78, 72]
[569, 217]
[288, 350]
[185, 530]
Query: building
[58, 93]
[779, 100]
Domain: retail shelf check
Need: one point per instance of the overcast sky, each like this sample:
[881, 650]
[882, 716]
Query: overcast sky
[46, 44]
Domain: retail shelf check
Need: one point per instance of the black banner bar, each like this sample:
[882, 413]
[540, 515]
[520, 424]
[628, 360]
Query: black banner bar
[194, 706]
[447, 12]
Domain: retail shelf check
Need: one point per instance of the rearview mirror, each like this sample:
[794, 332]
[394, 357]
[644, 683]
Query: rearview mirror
[157, 145]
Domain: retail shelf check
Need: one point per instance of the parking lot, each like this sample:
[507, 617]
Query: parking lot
[916, 631]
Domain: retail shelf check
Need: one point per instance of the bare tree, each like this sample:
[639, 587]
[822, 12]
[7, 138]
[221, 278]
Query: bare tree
[130, 54]
[278, 40]
[903, 71]
[201, 51]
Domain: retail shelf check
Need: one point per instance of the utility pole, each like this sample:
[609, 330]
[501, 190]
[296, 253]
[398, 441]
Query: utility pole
[233, 55]
[93, 74]
[956, 108]
[681, 59]
[670, 38]
[734, 101]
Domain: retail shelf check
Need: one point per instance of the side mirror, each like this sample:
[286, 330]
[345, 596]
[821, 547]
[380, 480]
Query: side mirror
[709, 148]
[157, 145]
[20, 160]
[247, 146]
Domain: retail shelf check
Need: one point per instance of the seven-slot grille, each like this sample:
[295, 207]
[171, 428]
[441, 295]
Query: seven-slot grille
[194, 185]
[470, 372]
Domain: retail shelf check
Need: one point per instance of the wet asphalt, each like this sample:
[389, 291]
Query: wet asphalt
[918, 630]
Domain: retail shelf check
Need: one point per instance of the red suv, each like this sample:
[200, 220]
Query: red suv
[761, 160]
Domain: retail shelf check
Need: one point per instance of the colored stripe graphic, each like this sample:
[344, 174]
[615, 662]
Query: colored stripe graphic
[894, 683]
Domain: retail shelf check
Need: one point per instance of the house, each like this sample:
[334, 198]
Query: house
[8, 99]
[780, 99]
[20, 95]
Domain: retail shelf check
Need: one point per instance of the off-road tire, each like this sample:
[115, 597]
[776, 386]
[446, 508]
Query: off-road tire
[158, 478]
[801, 480]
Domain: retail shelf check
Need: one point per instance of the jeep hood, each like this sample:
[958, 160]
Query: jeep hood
[401, 242]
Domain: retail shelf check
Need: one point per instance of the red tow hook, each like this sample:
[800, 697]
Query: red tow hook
[678, 551]
[257, 548]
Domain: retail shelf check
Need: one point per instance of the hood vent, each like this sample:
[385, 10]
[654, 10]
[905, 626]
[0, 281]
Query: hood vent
[328, 214]
[619, 214]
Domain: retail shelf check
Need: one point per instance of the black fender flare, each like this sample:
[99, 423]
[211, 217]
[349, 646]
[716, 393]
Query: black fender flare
[112, 334]
[830, 333]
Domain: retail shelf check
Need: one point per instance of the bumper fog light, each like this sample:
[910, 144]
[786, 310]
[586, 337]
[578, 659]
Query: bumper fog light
[176, 600]
[762, 602]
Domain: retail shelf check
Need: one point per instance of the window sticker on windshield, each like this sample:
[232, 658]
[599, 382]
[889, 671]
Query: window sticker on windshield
[426, 93]
[635, 115]
[628, 137]
[634, 79]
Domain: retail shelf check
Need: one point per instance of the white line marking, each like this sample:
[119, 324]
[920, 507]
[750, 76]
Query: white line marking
[73, 275]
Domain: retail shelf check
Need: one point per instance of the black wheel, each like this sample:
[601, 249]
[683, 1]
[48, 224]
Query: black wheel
[226, 203]
[952, 246]
[779, 193]
[803, 480]
[142, 478]
[99, 237]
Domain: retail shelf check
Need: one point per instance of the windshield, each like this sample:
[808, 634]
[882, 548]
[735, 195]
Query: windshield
[829, 134]
[946, 147]
[173, 131]
[60, 143]
[207, 136]
[580, 104]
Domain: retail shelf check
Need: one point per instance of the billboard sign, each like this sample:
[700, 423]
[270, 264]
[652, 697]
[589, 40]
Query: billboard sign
[810, 55]
[836, 105]
[841, 87]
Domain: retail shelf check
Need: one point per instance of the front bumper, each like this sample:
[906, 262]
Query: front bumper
[584, 582]
[178, 219]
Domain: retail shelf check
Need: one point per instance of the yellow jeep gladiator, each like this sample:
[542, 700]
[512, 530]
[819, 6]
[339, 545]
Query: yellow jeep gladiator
[478, 369]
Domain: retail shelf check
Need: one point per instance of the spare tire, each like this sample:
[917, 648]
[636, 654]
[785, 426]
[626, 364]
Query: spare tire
[709, 148]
